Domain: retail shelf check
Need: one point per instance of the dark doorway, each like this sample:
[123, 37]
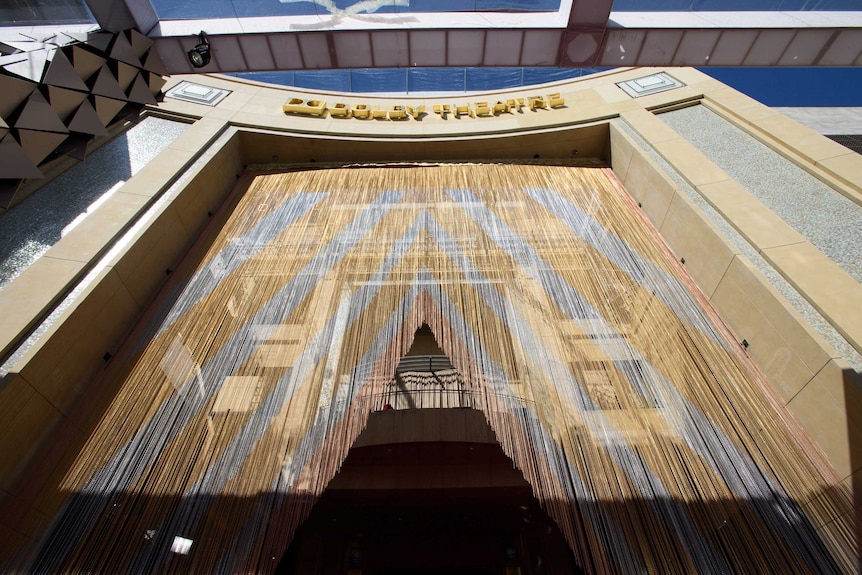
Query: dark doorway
[428, 508]
[436, 572]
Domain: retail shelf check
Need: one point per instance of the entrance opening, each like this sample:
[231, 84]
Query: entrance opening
[425, 378]
[440, 498]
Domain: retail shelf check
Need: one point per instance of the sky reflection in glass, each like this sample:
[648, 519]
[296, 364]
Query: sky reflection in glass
[417, 80]
[192, 9]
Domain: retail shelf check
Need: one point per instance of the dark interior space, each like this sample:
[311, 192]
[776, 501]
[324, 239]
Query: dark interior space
[468, 530]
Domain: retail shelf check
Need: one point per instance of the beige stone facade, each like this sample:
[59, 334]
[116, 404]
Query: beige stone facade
[594, 120]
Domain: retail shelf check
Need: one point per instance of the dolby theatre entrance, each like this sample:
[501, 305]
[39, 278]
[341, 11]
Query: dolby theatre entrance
[285, 405]
[427, 491]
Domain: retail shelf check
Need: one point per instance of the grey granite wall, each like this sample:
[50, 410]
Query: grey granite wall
[797, 300]
[823, 216]
[30, 228]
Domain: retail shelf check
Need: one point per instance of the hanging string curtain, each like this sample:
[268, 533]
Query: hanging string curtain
[608, 379]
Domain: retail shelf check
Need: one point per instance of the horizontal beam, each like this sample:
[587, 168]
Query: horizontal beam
[737, 47]
[518, 47]
[761, 19]
[580, 34]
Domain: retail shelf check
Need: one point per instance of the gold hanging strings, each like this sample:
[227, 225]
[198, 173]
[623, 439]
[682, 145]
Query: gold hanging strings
[604, 373]
[745, 386]
[619, 451]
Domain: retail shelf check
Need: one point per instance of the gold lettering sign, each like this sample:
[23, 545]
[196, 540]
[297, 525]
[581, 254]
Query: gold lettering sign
[400, 112]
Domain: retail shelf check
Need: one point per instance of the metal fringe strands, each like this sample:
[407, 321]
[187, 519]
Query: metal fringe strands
[610, 382]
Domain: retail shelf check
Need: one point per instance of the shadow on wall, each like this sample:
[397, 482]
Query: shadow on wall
[437, 491]
[134, 533]
[853, 388]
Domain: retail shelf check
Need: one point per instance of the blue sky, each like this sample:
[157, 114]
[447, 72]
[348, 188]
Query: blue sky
[795, 86]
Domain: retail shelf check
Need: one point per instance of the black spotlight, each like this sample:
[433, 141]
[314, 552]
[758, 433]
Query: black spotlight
[200, 55]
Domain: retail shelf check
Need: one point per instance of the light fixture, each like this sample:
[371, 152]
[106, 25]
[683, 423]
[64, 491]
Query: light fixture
[181, 545]
[199, 56]
[511, 553]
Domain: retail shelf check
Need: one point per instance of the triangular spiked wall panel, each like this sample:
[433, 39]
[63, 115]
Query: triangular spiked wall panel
[83, 85]
[14, 92]
[86, 62]
[64, 101]
[37, 114]
[87, 121]
[14, 163]
[61, 73]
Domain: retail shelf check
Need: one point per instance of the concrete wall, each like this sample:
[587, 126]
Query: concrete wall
[43, 390]
[809, 375]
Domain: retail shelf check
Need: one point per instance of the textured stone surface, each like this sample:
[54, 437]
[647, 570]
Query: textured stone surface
[811, 315]
[98, 269]
[38, 222]
[823, 216]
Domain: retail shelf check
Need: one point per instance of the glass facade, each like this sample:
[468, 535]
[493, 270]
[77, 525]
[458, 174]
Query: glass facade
[188, 9]
[44, 13]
